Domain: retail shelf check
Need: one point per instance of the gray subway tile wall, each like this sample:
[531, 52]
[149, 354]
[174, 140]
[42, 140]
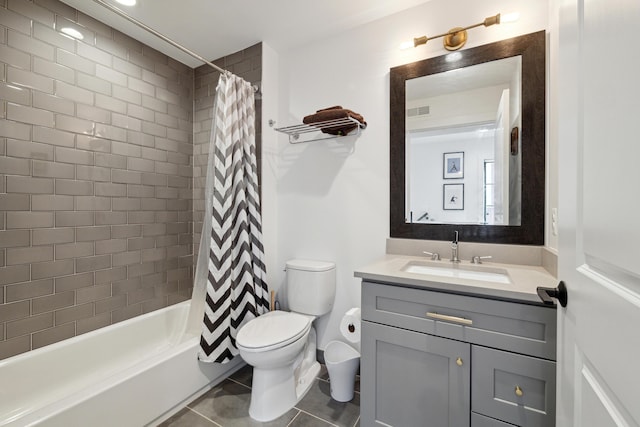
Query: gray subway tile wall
[103, 154]
[78, 195]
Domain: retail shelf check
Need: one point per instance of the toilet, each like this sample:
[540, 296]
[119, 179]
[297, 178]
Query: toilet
[281, 346]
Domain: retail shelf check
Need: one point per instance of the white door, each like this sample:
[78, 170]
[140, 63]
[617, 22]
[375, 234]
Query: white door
[599, 213]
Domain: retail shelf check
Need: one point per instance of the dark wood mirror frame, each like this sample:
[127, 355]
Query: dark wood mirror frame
[531, 230]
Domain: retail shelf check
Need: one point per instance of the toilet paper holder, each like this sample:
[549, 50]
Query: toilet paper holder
[350, 325]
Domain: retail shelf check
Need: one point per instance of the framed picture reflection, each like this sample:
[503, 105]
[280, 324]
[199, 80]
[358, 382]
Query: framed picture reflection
[453, 165]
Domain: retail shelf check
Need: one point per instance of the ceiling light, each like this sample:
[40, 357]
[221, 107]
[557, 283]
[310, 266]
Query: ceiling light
[456, 37]
[72, 32]
[127, 2]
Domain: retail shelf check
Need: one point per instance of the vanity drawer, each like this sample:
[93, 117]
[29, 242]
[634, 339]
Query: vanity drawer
[514, 388]
[478, 420]
[520, 328]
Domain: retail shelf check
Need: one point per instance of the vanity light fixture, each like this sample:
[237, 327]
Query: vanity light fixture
[456, 38]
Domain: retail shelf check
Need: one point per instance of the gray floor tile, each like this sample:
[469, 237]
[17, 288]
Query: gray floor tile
[324, 375]
[305, 420]
[228, 405]
[318, 402]
[187, 418]
[243, 375]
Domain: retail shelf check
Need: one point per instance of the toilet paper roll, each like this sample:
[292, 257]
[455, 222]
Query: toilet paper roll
[350, 325]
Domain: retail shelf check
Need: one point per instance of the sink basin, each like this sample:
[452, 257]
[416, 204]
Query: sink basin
[487, 274]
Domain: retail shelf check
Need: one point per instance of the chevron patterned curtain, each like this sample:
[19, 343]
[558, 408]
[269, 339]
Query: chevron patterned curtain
[236, 288]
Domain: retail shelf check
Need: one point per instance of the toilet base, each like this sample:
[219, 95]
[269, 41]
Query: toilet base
[306, 381]
[274, 391]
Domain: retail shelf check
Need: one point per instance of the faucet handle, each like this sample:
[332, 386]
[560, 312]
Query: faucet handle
[478, 259]
[435, 256]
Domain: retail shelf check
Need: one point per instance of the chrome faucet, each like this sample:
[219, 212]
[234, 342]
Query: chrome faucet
[454, 248]
[478, 259]
[435, 256]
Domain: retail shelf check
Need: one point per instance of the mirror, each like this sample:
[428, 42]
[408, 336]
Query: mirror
[461, 166]
[467, 144]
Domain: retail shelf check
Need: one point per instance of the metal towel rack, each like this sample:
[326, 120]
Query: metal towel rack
[296, 131]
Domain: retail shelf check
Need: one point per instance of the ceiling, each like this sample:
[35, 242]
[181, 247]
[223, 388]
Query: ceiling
[216, 28]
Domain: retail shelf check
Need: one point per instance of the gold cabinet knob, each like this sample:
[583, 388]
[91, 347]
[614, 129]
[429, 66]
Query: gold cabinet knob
[459, 361]
[519, 391]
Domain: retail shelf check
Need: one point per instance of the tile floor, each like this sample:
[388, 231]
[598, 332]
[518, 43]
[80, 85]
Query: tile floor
[227, 405]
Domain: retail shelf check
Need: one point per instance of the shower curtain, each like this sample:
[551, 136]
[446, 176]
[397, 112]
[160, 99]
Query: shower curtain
[231, 258]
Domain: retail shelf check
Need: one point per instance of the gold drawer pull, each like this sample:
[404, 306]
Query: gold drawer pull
[519, 391]
[459, 361]
[447, 318]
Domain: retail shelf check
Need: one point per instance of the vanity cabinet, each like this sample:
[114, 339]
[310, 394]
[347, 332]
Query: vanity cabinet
[432, 358]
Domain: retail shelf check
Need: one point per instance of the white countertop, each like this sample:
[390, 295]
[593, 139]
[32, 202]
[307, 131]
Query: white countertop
[524, 279]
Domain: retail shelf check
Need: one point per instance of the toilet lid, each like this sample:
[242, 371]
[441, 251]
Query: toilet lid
[272, 330]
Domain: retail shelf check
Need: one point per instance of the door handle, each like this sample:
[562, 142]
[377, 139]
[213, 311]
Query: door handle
[547, 294]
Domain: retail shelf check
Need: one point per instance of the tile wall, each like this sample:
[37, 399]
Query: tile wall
[102, 173]
[96, 168]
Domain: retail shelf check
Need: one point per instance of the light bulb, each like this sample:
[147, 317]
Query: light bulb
[408, 44]
[509, 17]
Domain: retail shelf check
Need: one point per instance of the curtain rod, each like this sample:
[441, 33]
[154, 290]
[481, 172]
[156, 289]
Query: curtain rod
[163, 37]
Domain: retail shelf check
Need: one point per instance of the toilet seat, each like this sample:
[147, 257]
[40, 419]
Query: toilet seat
[272, 330]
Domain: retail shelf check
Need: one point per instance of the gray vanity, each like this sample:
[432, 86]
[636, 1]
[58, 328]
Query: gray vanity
[456, 345]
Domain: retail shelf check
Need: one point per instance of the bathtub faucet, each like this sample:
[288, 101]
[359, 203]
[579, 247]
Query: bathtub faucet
[454, 248]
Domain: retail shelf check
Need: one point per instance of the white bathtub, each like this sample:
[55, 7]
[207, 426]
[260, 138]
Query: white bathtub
[133, 373]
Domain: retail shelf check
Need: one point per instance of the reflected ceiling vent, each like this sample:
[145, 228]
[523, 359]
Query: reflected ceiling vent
[418, 111]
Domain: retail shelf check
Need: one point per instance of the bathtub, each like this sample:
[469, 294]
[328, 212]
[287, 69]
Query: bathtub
[133, 373]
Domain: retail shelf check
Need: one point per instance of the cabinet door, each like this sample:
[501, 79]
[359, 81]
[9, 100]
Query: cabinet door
[409, 379]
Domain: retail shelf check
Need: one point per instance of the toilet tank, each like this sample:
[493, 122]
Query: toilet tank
[311, 286]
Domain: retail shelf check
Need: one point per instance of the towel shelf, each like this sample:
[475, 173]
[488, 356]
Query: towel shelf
[296, 131]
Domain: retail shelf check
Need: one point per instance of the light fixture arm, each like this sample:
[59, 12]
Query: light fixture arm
[456, 37]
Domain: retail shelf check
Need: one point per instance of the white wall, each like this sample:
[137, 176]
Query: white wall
[333, 195]
[270, 100]
[551, 236]
[425, 169]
